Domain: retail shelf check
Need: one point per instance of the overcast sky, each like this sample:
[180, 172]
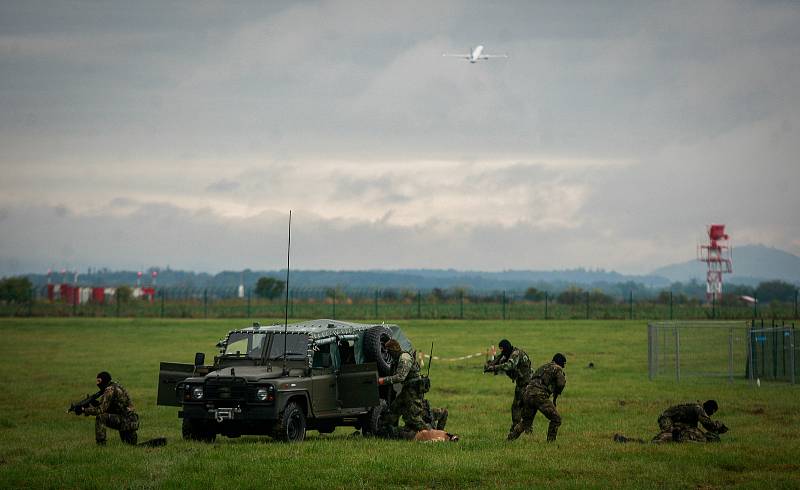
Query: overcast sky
[137, 134]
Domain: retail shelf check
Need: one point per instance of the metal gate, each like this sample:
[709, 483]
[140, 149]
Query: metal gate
[773, 354]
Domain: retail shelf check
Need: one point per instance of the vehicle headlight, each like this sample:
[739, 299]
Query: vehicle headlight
[265, 394]
[197, 393]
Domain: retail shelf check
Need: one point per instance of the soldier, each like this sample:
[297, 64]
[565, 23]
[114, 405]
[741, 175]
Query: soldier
[115, 411]
[408, 402]
[679, 423]
[517, 366]
[548, 380]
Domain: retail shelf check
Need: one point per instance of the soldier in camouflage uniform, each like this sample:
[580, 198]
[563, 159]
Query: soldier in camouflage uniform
[679, 423]
[408, 402]
[115, 411]
[517, 366]
[548, 380]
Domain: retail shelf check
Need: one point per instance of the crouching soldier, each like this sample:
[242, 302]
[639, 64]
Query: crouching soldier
[114, 411]
[408, 403]
[548, 380]
[679, 423]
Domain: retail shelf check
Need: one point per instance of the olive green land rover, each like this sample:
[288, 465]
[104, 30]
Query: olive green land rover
[283, 380]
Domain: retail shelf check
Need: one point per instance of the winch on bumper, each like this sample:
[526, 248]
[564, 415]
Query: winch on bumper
[227, 399]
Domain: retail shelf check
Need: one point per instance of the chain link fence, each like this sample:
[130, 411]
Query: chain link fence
[773, 353]
[723, 349]
[378, 304]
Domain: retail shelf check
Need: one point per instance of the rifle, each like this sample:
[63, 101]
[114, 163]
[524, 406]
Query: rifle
[90, 400]
[494, 362]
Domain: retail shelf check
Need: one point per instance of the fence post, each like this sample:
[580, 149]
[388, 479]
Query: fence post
[730, 355]
[670, 305]
[117, 296]
[461, 302]
[205, 303]
[795, 303]
[334, 303]
[791, 354]
[249, 300]
[376, 303]
[163, 298]
[630, 303]
[650, 351]
[677, 354]
[751, 352]
[31, 298]
[545, 305]
[587, 305]
[755, 305]
[419, 303]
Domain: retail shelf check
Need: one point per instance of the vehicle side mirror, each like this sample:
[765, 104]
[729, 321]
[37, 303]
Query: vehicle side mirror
[199, 359]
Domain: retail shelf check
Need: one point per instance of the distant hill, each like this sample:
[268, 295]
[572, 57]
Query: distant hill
[751, 264]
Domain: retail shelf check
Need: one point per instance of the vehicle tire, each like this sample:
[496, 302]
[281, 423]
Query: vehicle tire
[197, 430]
[371, 421]
[374, 338]
[291, 425]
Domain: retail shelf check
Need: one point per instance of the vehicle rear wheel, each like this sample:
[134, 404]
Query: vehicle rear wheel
[197, 430]
[291, 424]
[371, 421]
[374, 338]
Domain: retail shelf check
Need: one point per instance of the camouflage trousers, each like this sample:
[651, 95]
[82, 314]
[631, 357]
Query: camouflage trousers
[517, 407]
[536, 401]
[126, 425]
[408, 405]
[682, 433]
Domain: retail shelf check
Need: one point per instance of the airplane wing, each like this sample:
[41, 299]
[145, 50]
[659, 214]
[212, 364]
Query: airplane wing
[465, 56]
[487, 56]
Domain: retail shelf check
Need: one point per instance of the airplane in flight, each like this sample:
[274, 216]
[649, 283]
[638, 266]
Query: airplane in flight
[476, 54]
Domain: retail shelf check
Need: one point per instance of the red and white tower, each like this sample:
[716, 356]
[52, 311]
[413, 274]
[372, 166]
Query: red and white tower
[717, 256]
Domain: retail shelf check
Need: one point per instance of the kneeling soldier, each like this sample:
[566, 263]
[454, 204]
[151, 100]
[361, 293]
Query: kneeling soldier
[408, 403]
[114, 411]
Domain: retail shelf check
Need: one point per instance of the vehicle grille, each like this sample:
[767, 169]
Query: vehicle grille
[226, 389]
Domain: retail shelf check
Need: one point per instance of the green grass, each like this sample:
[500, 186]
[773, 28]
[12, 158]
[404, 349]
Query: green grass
[46, 363]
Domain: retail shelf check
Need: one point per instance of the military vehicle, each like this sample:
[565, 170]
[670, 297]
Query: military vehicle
[318, 375]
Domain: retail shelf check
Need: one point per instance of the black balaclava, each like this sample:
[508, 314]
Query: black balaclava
[104, 378]
[506, 347]
[710, 406]
[560, 359]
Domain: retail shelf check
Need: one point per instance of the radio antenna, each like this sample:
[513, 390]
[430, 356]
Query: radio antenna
[286, 304]
[430, 361]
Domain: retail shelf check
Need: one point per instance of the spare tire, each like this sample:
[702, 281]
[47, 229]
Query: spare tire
[374, 351]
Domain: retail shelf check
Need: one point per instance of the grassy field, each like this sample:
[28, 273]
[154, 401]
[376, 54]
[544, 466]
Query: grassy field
[46, 363]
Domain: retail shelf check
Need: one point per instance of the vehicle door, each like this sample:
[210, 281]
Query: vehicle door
[323, 377]
[358, 381]
[169, 375]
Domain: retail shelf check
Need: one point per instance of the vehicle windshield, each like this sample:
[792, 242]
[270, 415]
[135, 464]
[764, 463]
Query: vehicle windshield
[246, 344]
[296, 346]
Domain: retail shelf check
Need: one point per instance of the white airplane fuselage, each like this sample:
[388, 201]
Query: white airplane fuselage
[476, 54]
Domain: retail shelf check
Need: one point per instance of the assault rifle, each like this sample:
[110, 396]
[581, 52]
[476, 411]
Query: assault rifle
[80, 406]
[491, 363]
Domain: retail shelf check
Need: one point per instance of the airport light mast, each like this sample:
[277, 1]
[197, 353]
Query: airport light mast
[717, 255]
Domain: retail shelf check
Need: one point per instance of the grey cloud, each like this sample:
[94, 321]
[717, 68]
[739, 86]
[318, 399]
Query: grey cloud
[223, 185]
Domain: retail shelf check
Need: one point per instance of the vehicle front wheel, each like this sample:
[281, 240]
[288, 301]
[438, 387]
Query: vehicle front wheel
[197, 430]
[291, 424]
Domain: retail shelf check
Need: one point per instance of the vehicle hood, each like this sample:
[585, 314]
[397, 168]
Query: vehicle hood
[252, 373]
